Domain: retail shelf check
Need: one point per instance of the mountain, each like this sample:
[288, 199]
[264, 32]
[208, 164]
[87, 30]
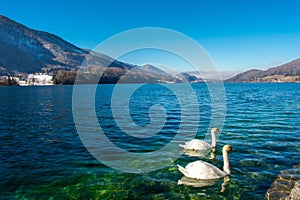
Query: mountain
[289, 72]
[213, 75]
[25, 50]
[28, 50]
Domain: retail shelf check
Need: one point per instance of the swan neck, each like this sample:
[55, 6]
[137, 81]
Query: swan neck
[226, 166]
[213, 139]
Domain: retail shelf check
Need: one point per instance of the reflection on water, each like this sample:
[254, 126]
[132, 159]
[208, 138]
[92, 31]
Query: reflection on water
[203, 183]
[201, 154]
[42, 156]
[196, 182]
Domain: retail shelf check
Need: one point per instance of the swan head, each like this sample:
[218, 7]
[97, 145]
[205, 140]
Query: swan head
[215, 130]
[227, 148]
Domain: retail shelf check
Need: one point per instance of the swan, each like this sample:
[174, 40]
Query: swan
[203, 170]
[201, 145]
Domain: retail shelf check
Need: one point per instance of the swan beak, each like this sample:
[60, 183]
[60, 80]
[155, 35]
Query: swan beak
[231, 149]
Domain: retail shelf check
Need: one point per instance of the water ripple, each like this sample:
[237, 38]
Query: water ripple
[43, 157]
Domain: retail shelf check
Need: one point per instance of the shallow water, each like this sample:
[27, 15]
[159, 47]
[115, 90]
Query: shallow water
[43, 157]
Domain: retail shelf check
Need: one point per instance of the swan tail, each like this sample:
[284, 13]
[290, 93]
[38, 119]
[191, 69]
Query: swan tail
[182, 145]
[183, 170]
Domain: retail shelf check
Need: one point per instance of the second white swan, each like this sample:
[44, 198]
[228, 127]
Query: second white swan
[201, 145]
[206, 171]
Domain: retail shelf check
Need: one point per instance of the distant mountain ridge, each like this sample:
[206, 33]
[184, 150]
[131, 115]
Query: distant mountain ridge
[214, 75]
[289, 72]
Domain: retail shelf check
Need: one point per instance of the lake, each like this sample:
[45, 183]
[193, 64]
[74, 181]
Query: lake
[43, 157]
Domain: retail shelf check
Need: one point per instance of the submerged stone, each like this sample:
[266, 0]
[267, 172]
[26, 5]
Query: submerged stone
[295, 193]
[286, 186]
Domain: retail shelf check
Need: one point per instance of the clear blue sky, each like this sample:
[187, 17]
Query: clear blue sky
[238, 35]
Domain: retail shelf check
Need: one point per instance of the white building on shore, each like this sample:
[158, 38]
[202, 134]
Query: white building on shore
[39, 79]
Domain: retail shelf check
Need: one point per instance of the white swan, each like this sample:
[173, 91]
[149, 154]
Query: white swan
[201, 145]
[203, 170]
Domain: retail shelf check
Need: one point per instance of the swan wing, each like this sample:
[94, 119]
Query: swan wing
[196, 144]
[203, 170]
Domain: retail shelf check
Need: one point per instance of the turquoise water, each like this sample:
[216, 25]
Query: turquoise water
[42, 156]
